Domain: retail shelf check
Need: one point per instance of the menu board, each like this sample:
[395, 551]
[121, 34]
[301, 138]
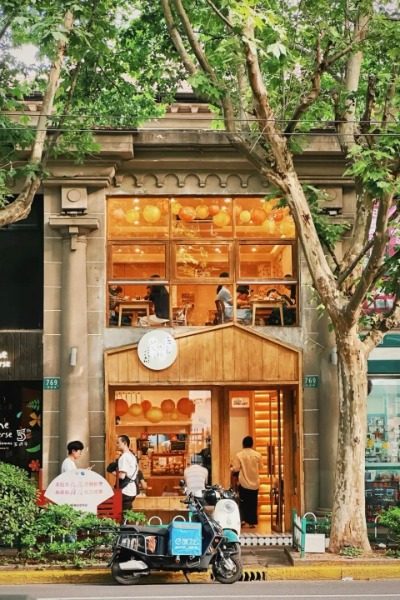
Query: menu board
[21, 425]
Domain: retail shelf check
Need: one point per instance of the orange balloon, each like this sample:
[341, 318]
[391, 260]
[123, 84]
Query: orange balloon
[202, 211]
[185, 406]
[167, 406]
[121, 407]
[151, 213]
[287, 228]
[133, 215]
[221, 219]
[146, 405]
[213, 209]
[187, 213]
[245, 216]
[175, 208]
[258, 216]
[154, 415]
[269, 226]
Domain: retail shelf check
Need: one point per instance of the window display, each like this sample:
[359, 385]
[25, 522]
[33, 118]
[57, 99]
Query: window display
[168, 430]
[188, 243]
[382, 449]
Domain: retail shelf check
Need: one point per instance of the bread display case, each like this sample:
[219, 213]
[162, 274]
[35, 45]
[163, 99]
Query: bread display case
[168, 464]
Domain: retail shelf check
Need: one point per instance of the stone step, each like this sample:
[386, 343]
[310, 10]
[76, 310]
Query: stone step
[260, 539]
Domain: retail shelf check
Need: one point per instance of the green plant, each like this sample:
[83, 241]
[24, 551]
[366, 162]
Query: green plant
[351, 551]
[18, 507]
[390, 518]
[61, 531]
[324, 525]
[130, 516]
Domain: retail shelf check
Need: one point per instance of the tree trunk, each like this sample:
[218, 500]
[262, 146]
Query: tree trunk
[349, 526]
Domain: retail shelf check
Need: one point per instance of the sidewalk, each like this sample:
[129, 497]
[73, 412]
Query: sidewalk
[259, 564]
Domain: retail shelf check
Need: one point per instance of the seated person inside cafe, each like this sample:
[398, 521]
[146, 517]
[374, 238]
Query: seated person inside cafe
[243, 311]
[115, 294]
[159, 296]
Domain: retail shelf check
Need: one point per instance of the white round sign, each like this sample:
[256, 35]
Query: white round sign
[157, 350]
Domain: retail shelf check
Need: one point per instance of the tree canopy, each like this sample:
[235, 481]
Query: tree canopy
[94, 69]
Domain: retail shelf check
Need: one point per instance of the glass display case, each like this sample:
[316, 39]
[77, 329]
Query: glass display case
[168, 464]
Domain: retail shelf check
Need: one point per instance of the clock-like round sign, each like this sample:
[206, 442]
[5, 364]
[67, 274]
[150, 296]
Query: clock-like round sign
[157, 349]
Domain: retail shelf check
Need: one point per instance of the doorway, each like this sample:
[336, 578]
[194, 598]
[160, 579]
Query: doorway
[268, 416]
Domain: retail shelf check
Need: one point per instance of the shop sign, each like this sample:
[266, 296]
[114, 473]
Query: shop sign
[51, 383]
[311, 381]
[82, 489]
[5, 362]
[157, 350]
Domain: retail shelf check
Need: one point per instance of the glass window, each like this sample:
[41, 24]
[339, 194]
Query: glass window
[194, 245]
[265, 261]
[258, 217]
[138, 261]
[203, 261]
[138, 218]
[200, 217]
[382, 448]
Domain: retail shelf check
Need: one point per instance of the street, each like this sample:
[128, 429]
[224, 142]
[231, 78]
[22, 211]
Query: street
[310, 590]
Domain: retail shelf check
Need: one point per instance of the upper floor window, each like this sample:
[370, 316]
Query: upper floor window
[188, 249]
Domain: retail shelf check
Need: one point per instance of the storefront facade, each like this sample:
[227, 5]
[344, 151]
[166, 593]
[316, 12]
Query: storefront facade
[187, 208]
[225, 383]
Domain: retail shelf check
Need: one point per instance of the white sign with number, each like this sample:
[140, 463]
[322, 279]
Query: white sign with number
[82, 489]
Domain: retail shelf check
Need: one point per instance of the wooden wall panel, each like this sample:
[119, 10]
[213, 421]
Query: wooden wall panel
[222, 355]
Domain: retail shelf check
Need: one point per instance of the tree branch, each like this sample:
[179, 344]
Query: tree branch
[21, 206]
[220, 15]
[361, 254]
[176, 38]
[390, 95]
[375, 260]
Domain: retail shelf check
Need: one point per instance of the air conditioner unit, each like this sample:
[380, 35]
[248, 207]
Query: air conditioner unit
[74, 199]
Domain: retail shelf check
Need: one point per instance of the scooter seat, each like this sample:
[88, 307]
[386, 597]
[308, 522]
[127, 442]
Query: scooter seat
[145, 529]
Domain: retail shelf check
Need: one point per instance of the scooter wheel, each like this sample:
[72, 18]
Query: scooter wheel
[227, 569]
[124, 577]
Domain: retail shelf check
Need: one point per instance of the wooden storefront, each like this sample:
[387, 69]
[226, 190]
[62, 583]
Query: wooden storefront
[239, 367]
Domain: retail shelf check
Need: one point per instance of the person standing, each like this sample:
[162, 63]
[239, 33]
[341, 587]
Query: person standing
[74, 450]
[127, 472]
[247, 463]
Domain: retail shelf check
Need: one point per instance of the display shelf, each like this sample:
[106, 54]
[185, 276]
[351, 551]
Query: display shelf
[163, 423]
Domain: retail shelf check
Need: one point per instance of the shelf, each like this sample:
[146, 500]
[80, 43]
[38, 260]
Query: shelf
[149, 424]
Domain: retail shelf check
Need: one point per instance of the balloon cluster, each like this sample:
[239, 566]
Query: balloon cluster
[168, 409]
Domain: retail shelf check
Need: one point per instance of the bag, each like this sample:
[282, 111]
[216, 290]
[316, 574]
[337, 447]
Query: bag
[122, 483]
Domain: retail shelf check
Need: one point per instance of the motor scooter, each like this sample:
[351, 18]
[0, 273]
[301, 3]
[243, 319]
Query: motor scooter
[226, 510]
[189, 546]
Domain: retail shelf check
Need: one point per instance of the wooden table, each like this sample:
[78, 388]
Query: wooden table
[264, 305]
[136, 307]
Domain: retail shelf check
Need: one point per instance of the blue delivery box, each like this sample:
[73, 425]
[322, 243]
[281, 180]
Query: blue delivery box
[185, 539]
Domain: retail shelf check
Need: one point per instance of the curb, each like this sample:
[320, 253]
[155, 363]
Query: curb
[250, 573]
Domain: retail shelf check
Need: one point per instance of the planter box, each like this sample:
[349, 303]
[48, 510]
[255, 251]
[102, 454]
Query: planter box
[315, 542]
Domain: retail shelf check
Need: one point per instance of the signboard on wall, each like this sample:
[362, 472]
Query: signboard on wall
[51, 383]
[21, 424]
[157, 350]
[311, 381]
